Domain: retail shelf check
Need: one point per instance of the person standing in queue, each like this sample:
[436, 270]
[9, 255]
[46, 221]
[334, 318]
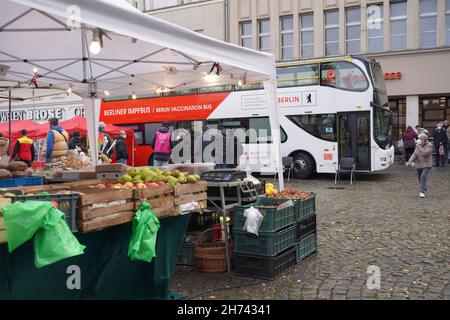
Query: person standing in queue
[121, 148]
[24, 149]
[4, 145]
[57, 142]
[422, 159]
[409, 142]
[440, 145]
[104, 141]
[75, 141]
[162, 146]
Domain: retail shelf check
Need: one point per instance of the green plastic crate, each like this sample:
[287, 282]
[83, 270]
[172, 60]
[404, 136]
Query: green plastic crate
[273, 219]
[305, 207]
[306, 247]
[67, 203]
[267, 244]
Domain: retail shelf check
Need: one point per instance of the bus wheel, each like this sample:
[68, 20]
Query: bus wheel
[303, 166]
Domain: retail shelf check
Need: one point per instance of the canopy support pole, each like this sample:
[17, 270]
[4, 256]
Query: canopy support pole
[270, 87]
[9, 121]
[91, 115]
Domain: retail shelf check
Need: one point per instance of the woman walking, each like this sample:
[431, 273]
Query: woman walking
[409, 142]
[422, 159]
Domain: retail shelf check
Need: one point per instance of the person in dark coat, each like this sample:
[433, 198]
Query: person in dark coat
[440, 144]
[75, 141]
[121, 148]
[409, 142]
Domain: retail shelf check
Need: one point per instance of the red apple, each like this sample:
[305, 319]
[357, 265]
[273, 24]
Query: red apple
[101, 186]
[161, 183]
[109, 186]
[151, 185]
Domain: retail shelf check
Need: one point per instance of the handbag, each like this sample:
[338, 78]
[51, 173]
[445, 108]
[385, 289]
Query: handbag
[441, 150]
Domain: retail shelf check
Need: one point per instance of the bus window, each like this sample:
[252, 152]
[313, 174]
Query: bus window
[343, 75]
[260, 130]
[322, 126]
[304, 75]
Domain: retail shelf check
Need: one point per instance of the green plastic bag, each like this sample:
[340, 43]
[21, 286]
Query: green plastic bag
[53, 240]
[145, 231]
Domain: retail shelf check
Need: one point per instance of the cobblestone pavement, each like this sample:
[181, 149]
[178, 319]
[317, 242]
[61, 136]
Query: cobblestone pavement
[378, 221]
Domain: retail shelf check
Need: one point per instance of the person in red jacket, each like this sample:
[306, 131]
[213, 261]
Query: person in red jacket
[24, 149]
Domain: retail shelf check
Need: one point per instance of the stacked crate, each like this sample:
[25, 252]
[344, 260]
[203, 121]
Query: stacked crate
[287, 235]
[273, 251]
[306, 227]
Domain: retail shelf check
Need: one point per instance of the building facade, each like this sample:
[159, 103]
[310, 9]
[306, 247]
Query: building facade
[410, 38]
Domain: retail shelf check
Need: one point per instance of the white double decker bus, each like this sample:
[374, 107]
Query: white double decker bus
[328, 109]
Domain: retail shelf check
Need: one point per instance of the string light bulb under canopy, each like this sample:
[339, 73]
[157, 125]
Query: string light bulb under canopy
[95, 46]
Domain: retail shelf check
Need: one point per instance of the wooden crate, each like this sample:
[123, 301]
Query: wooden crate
[187, 193]
[3, 237]
[3, 203]
[91, 217]
[161, 199]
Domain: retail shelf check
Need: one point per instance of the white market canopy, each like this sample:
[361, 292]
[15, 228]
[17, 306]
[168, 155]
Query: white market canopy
[46, 48]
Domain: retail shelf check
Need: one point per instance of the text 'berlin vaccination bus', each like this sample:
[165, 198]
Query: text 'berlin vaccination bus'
[328, 108]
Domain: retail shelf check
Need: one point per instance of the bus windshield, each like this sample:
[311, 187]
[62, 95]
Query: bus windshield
[382, 118]
[380, 94]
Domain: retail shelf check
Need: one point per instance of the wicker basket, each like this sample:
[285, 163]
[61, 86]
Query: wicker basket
[211, 257]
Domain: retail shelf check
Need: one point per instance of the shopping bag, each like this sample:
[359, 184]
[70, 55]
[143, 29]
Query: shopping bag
[142, 244]
[441, 150]
[53, 240]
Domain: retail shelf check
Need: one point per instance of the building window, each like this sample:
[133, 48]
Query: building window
[433, 111]
[375, 28]
[399, 31]
[287, 37]
[447, 23]
[332, 32]
[307, 35]
[159, 4]
[246, 34]
[353, 30]
[398, 108]
[428, 23]
[264, 35]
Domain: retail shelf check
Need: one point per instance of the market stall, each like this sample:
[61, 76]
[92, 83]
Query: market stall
[111, 49]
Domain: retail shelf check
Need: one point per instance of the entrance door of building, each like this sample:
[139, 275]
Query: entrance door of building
[354, 138]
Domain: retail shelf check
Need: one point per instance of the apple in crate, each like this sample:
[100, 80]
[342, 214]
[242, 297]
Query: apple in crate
[141, 186]
[128, 185]
[117, 186]
[152, 185]
[161, 183]
[101, 186]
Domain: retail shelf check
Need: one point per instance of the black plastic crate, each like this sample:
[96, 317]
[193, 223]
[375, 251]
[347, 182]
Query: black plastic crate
[202, 221]
[264, 267]
[306, 247]
[306, 226]
[185, 256]
[67, 203]
[266, 244]
[274, 219]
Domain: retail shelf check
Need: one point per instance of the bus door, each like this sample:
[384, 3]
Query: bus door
[354, 138]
